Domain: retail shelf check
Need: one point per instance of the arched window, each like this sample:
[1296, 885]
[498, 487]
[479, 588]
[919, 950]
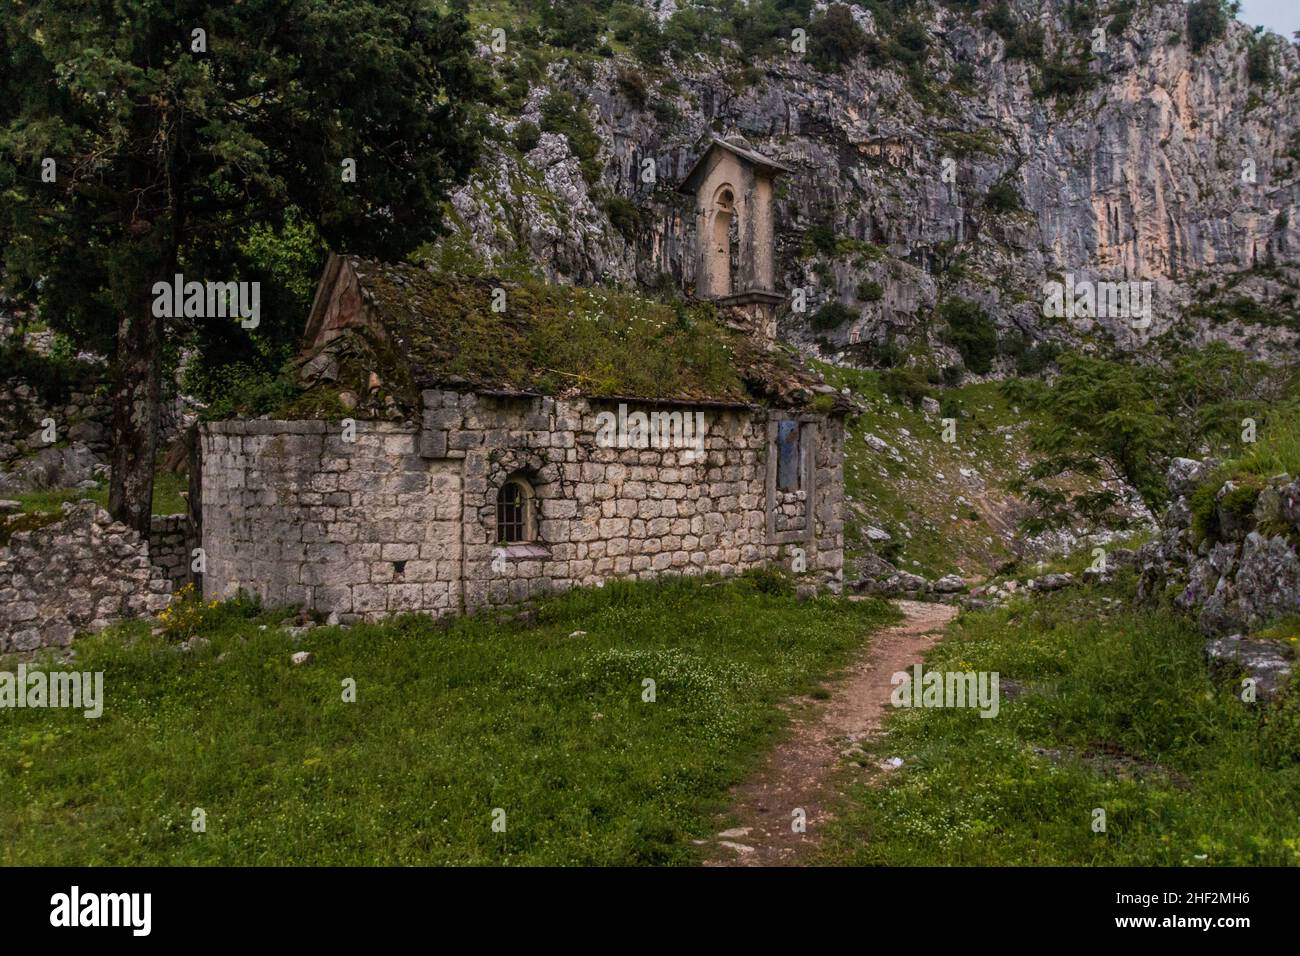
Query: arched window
[515, 512]
[720, 252]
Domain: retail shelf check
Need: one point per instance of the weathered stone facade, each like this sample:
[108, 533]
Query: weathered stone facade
[405, 518]
[78, 574]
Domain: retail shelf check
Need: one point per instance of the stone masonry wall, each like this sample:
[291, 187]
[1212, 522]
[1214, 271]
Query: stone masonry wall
[170, 544]
[296, 515]
[79, 573]
[609, 512]
[404, 519]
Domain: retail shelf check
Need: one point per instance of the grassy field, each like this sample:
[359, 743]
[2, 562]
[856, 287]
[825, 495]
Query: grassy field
[449, 724]
[1117, 711]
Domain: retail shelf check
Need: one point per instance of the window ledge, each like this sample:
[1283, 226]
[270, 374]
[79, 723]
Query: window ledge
[521, 552]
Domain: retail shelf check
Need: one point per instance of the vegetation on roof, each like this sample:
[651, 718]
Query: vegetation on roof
[563, 340]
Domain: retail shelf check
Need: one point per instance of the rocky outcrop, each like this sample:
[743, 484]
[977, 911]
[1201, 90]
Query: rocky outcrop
[73, 573]
[878, 576]
[1171, 166]
[1228, 553]
[1266, 663]
[66, 466]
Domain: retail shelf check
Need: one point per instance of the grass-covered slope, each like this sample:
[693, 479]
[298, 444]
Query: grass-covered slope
[547, 721]
[948, 506]
[1111, 710]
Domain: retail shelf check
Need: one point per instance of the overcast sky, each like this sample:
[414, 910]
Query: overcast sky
[1280, 16]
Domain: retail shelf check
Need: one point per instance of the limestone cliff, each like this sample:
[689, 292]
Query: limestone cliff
[1151, 162]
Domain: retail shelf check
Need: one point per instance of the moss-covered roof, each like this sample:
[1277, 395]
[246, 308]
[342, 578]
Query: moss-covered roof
[426, 330]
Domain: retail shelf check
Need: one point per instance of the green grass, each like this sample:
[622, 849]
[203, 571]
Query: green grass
[449, 723]
[167, 497]
[1186, 774]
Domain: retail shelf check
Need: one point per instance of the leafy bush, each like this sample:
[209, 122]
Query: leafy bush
[835, 39]
[1000, 20]
[822, 238]
[971, 332]
[526, 136]
[1207, 21]
[574, 23]
[1002, 197]
[1027, 43]
[1065, 79]
[769, 579]
[632, 84]
[562, 113]
[53, 376]
[1030, 358]
[624, 215]
[910, 42]
[1259, 61]
[869, 290]
[905, 384]
[1121, 16]
[1102, 417]
[831, 316]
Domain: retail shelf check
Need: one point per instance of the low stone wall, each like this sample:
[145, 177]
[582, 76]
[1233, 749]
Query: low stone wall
[170, 545]
[79, 573]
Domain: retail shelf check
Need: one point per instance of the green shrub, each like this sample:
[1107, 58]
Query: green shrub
[906, 384]
[835, 39]
[822, 238]
[1027, 43]
[769, 579]
[1121, 16]
[53, 377]
[1259, 61]
[624, 215]
[563, 113]
[1000, 20]
[526, 136]
[869, 290]
[1065, 79]
[633, 86]
[971, 332]
[1002, 197]
[1207, 21]
[832, 315]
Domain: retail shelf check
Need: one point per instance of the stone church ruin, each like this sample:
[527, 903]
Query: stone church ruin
[465, 443]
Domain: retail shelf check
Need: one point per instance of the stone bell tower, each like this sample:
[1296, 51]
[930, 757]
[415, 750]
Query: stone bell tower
[733, 186]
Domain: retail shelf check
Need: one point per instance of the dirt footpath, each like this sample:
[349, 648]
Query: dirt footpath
[798, 773]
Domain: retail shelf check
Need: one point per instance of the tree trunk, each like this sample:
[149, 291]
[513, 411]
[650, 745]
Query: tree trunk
[137, 389]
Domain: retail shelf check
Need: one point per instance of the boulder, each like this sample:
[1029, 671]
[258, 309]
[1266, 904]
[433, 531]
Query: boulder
[1184, 474]
[1267, 662]
[50, 467]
